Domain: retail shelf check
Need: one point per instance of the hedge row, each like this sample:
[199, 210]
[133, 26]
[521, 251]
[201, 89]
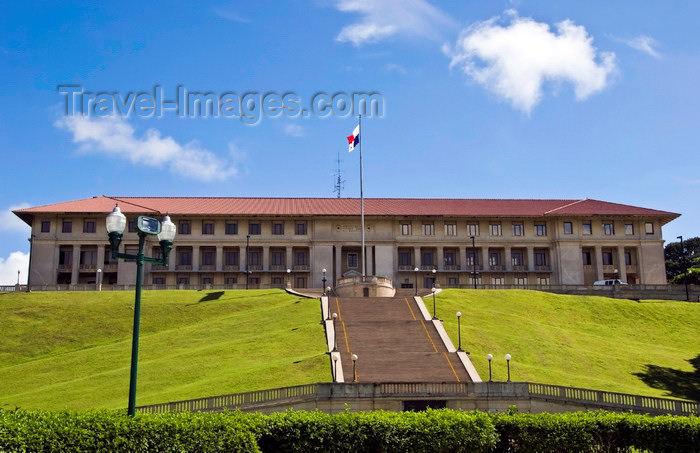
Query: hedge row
[430, 431]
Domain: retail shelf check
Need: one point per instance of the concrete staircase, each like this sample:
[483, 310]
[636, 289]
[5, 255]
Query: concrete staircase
[393, 341]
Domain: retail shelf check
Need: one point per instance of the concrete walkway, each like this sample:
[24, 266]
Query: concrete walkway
[395, 341]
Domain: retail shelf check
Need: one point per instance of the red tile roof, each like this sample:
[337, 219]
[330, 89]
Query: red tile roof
[345, 207]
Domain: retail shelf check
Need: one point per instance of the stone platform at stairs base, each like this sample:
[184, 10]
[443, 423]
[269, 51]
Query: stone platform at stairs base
[367, 286]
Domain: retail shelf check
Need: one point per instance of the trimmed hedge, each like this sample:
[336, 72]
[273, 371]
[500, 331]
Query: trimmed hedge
[431, 431]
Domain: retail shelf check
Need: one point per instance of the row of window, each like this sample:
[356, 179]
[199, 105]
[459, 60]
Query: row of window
[184, 227]
[607, 258]
[472, 259]
[495, 229]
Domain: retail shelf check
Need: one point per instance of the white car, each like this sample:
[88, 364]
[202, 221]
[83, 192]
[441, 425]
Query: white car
[610, 282]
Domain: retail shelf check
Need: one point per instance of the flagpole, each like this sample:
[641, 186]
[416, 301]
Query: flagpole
[362, 197]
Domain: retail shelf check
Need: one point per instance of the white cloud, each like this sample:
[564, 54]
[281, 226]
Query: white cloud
[113, 136]
[294, 130]
[644, 44]
[17, 261]
[514, 61]
[10, 222]
[383, 18]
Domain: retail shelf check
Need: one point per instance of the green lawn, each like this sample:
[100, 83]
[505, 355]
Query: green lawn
[73, 349]
[589, 342]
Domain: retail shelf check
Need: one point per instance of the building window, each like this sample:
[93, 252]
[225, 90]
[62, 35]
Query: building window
[88, 257]
[159, 280]
[184, 257]
[521, 281]
[495, 229]
[67, 226]
[518, 229]
[277, 228]
[427, 259]
[89, 226]
[607, 258]
[45, 226]
[543, 280]
[649, 228]
[568, 228]
[494, 259]
[450, 258]
[540, 259]
[278, 258]
[254, 228]
[208, 258]
[352, 260]
[207, 281]
[255, 258]
[472, 259]
[404, 258]
[453, 282]
[183, 280]
[132, 226]
[302, 258]
[516, 259]
[231, 258]
[207, 227]
[587, 228]
[473, 229]
[629, 228]
[231, 280]
[450, 229]
[586, 258]
[405, 229]
[185, 227]
[231, 228]
[300, 228]
[628, 259]
[498, 281]
[608, 228]
[428, 229]
[540, 229]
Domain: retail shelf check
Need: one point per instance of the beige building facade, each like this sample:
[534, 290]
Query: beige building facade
[289, 241]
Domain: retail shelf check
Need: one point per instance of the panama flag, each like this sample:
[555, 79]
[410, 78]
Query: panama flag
[354, 139]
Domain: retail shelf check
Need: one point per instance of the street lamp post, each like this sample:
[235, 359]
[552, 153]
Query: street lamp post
[289, 278]
[165, 230]
[354, 369]
[489, 357]
[434, 314]
[324, 281]
[473, 261]
[434, 277]
[685, 269]
[415, 271]
[335, 333]
[335, 367]
[508, 357]
[247, 260]
[459, 331]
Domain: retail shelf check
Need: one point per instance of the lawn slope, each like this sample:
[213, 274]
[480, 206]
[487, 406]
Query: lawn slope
[72, 349]
[580, 341]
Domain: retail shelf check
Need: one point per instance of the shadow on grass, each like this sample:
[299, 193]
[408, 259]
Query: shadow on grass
[211, 296]
[678, 383]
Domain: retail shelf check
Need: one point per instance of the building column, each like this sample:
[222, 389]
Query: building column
[531, 259]
[622, 266]
[101, 257]
[640, 266]
[288, 257]
[219, 258]
[440, 259]
[75, 265]
[266, 258]
[56, 257]
[599, 262]
[195, 258]
[339, 261]
[508, 258]
[461, 259]
[416, 254]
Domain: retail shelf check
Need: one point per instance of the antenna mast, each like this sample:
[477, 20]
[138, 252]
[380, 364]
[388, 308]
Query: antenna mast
[339, 181]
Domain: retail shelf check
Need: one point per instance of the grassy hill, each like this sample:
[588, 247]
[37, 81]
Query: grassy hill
[579, 341]
[72, 350]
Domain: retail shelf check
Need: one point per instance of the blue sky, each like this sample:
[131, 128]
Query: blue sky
[521, 99]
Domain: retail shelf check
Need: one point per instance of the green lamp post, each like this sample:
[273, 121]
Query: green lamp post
[165, 230]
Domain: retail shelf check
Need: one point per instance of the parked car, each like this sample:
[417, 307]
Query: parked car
[609, 282]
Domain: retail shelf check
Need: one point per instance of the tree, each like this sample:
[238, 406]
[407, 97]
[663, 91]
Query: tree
[677, 262]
